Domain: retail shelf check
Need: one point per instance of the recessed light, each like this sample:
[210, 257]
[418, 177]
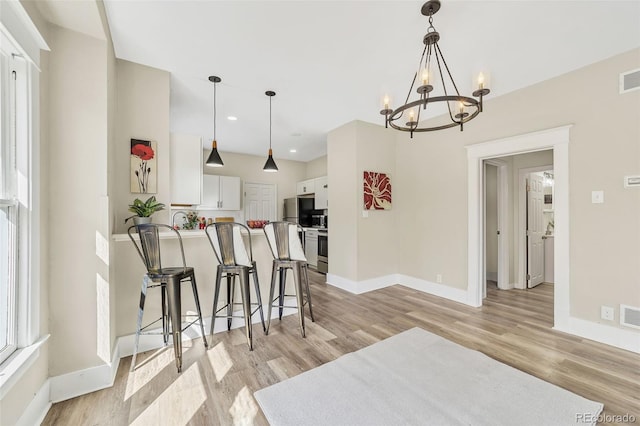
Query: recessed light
[296, 134]
[232, 118]
[293, 150]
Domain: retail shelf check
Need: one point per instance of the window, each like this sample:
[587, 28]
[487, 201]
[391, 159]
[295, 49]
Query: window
[13, 130]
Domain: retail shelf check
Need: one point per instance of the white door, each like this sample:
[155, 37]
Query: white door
[535, 230]
[259, 201]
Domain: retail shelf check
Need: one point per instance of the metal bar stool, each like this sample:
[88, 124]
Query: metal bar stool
[169, 280]
[286, 247]
[226, 239]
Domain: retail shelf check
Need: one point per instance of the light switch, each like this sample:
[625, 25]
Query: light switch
[597, 197]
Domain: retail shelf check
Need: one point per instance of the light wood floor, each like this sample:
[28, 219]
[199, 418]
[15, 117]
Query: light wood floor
[216, 386]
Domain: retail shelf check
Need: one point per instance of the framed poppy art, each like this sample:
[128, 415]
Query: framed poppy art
[377, 191]
[144, 169]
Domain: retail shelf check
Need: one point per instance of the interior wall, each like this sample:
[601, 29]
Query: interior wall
[377, 243]
[249, 169]
[491, 221]
[316, 168]
[343, 199]
[77, 135]
[604, 148]
[142, 113]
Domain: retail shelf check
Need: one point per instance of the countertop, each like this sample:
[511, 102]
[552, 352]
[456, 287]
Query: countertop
[184, 233]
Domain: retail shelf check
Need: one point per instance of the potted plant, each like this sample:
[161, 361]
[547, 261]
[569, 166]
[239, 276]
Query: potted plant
[143, 211]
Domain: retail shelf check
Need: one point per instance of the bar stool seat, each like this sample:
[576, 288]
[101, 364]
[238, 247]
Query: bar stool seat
[288, 254]
[169, 279]
[234, 261]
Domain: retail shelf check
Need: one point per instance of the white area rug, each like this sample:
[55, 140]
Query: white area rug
[418, 378]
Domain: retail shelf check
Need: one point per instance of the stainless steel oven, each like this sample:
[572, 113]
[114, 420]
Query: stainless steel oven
[323, 251]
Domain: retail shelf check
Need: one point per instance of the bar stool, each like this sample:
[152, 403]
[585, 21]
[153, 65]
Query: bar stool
[169, 280]
[226, 239]
[286, 247]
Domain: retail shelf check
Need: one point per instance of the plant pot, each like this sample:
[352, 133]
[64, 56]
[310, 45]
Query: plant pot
[138, 220]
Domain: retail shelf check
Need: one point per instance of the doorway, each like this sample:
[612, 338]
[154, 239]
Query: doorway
[556, 139]
[537, 224]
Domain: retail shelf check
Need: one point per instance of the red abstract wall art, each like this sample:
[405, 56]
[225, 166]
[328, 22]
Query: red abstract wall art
[377, 191]
[144, 170]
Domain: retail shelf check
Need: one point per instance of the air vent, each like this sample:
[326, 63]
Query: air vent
[629, 81]
[632, 181]
[630, 316]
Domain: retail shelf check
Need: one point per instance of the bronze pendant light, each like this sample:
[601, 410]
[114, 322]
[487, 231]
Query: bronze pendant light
[457, 104]
[270, 165]
[214, 159]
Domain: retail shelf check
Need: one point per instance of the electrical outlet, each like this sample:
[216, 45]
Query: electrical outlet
[365, 213]
[439, 278]
[597, 197]
[606, 313]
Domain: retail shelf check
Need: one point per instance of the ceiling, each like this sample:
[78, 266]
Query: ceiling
[331, 62]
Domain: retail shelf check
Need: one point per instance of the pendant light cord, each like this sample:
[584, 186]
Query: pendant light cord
[214, 110]
[270, 121]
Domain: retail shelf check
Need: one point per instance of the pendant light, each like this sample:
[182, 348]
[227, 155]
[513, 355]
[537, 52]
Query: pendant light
[270, 165]
[214, 159]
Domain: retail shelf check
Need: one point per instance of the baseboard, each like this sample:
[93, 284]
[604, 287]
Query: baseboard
[81, 382]
[359, 287]
[613, 336]
[492, 276]
[440, 290]
[38, 408]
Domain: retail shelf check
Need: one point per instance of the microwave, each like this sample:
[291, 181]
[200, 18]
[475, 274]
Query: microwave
[319, 220]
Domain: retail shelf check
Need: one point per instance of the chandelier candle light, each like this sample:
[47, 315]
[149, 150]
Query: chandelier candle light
[457, 104]
[214, 159]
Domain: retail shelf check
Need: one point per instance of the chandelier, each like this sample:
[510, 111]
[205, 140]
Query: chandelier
[432, 64]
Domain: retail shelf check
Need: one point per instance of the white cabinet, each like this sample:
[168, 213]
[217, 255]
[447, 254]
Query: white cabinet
[306, 187]
[322, 193]
[311, 246]
[185, 168]
[220, 192]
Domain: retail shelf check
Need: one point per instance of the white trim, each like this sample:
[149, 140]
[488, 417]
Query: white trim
[492, 276]
[19, 27]
[440, 290]
[521, 224]
[618, 337]
[18, 364]
[38, 408]
[556, 139]
[81, 382]
[359, 287]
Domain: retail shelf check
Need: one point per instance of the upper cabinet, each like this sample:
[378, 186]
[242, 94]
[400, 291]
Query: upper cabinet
[220, 192]
[322, 193]
[317, 186]
[306, 187]
[185, 168]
